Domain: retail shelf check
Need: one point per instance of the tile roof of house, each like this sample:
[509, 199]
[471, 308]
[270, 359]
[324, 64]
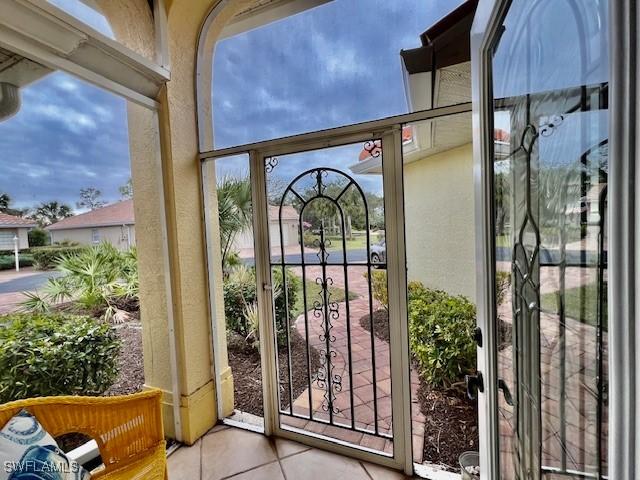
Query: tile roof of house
[288, 212]
[11, 221]
[120, 213]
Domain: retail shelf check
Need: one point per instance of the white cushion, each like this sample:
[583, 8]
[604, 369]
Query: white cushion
[28, 452]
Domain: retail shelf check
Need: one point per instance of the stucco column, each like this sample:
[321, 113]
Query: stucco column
[170, 191]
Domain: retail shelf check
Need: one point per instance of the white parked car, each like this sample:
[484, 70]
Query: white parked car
[378, 252]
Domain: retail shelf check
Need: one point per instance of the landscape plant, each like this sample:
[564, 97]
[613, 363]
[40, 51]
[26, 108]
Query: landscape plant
[38, 237]
[99, 280]
[8, 262]
[44, 354]
[234, 214]
[240, 294]
[441, 328]
[46, 258]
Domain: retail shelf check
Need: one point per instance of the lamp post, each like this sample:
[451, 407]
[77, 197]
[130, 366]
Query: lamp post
[15, 252]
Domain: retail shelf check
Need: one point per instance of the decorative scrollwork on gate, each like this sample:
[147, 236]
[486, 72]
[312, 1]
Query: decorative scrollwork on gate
[324, 313]
[270, 163]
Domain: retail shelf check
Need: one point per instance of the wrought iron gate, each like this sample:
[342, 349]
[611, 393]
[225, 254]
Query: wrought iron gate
[323, 260]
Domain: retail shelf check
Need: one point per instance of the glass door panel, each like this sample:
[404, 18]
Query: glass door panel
[550, 164]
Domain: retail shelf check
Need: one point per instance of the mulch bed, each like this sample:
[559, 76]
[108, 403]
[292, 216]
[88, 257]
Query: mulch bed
[130, 364]
[130, 375]
[451, 426]
[244, 361]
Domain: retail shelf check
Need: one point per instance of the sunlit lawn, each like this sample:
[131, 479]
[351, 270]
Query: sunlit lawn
[314, 292]
[581, 303]
[357, 242]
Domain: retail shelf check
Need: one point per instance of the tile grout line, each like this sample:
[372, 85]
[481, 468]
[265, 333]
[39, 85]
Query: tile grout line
[272, 442]
[201, 447]
[234, 475]
[365, 470]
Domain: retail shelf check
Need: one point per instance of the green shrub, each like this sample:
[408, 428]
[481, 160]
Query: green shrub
[240, 294]
[310, 239]
[8, 262]
[379, 288]
[45, 258]
[38, 237]
[55, 354]
[441, 330]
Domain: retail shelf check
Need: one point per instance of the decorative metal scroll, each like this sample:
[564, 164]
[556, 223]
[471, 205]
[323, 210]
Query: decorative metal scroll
[324, 309]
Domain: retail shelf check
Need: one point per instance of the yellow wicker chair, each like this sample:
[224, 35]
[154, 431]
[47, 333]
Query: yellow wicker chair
[128, 430]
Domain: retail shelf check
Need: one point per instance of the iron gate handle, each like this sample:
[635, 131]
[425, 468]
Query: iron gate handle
[475, 384]
[502, 385]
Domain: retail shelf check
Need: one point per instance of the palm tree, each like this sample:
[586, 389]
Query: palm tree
[5, 201]
[48, 213]
[234, 211]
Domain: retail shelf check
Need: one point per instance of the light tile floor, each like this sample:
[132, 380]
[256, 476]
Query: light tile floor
[231, 453]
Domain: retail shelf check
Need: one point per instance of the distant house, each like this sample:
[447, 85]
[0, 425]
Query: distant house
[11, 227]
[290, 229]
[114, 224]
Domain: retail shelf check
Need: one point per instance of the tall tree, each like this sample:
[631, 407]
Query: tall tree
[126, 190]
[5, 206]
[48, 213]
[351, 203]
[5, 201]
[90, 198]
[234, 213]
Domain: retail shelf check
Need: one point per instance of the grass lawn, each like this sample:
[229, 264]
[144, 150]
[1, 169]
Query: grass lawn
[503, 241]
[313, 293]
[358, 242]
[585, 296]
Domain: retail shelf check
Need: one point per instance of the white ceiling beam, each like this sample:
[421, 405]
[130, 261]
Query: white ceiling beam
[268, 13]
[43, 33]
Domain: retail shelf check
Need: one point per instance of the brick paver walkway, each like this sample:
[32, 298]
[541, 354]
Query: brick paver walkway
[362, 370]
[580, 388]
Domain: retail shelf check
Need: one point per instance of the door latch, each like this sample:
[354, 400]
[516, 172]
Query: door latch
[475, 384]
[477, 336]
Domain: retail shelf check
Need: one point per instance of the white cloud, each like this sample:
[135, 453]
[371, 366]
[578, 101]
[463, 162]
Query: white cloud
[73, 120]
[70, 150]
[35, 171]
[65, 83]
[104, 115]
[270, 101]
[339, 61]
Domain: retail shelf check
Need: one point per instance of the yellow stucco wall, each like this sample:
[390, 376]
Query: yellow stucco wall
[439, 212]
[174, 173]
[165, 176]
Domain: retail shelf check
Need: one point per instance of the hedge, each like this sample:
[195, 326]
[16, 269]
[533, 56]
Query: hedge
[441, 328]
[8, 262]
[55, 354]
[45, 258]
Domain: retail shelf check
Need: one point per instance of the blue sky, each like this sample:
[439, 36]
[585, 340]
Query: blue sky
[334, 65]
